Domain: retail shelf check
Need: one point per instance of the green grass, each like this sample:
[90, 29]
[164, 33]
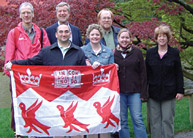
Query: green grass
[5, 119]
[182, 122]
[181, 119]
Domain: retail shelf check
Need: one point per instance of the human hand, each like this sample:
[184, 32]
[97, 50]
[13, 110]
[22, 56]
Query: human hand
[88, 62]
[144, 99]
[95, 64]
[8, 66]
[179, 96]
[117, 66]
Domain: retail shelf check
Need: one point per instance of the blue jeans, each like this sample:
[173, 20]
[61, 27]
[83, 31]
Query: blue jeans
[133, 101]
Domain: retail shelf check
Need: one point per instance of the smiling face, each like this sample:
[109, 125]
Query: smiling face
[95, 36]
[162, 35]
[162, 39]
[63, 33]
[105, 20]
[26, 15]
[124, 39]
[62, 14]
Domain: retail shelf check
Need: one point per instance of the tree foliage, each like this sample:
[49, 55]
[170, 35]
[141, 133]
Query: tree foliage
[83, 13]
[140, 16]
[147, 14]
[179, 14]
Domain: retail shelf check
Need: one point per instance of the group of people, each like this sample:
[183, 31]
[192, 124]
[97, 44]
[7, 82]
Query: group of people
[157, 80]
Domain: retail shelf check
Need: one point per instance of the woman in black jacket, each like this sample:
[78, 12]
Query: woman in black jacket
[165, 81]
[133, 82]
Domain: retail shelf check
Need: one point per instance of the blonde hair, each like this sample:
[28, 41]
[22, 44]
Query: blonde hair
[163, 29]
[124, 30]
[105, 9]
[92, 27]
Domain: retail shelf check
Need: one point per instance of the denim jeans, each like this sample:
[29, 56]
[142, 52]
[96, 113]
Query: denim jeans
[133, 102]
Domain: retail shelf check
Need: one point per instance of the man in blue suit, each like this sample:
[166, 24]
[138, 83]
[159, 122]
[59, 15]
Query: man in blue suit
[63, 13]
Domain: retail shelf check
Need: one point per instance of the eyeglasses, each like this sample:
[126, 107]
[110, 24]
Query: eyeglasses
[106, 18]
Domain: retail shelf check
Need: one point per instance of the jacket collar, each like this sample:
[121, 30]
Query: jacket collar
[20, 27]
[155, 49]
[118, 53]
[55, 45]
[115, 29]
[89, 48]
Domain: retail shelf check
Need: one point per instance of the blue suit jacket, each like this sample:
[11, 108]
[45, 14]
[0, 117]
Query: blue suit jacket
[115, 33]
[76, 36]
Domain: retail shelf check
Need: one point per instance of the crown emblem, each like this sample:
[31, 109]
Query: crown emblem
[30, 80]
[102, 78]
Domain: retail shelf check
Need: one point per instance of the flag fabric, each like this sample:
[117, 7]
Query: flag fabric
[65, 100]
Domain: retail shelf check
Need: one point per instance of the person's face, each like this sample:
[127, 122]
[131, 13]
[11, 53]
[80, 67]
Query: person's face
[63, 33]
[106, 20]
[26, 14]
[124, 39]
[162, 39]
[62, 14]
[95, 36]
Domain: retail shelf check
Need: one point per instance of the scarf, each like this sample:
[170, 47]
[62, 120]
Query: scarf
[124, 49]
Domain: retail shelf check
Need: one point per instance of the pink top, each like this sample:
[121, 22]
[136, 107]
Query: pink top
[161, 55]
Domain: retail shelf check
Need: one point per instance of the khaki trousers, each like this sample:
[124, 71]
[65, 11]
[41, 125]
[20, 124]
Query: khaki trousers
[161, 117]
